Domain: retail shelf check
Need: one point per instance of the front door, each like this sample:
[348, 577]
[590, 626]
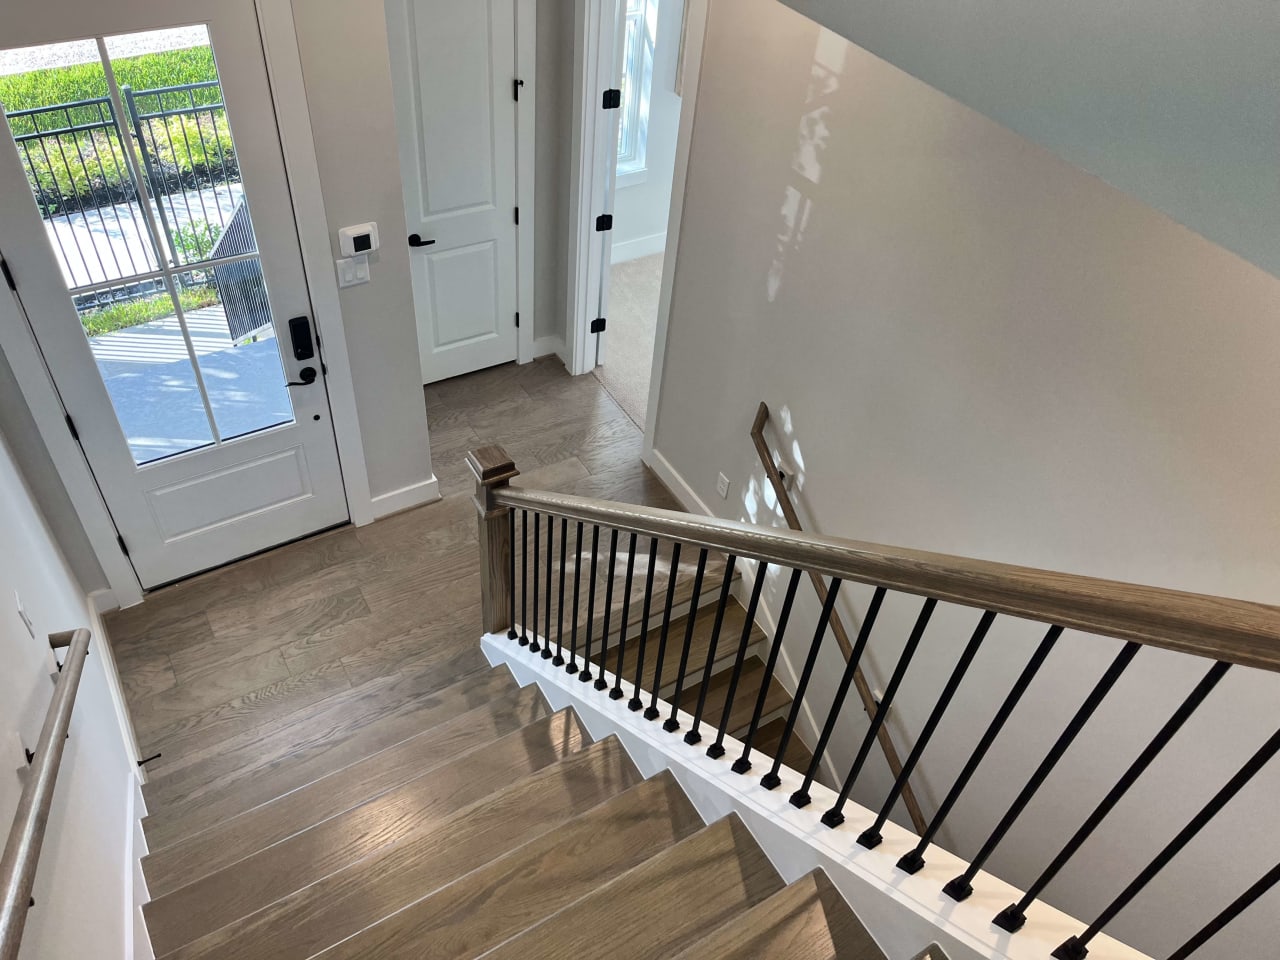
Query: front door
[146, 221]
[453, 68]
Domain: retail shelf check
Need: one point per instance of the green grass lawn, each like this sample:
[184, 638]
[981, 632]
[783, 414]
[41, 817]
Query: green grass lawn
[131, 313]
[84, 81]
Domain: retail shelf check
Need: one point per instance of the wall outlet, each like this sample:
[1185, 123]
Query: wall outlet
[22, 615]
[722, 486]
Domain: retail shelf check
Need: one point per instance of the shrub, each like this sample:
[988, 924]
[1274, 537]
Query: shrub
[131, 313]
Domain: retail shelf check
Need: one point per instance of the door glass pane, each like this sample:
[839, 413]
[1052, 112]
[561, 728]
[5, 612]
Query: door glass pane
[236, 347]
[142, 355]
[173, 102]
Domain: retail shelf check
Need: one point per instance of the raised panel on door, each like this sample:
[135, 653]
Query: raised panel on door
[453, 64]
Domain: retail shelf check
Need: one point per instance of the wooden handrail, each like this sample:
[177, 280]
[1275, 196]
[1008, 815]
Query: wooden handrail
[22, 851]
[883, 736]
[1236, 631]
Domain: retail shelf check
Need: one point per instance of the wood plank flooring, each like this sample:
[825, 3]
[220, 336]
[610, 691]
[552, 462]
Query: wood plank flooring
[240, 661]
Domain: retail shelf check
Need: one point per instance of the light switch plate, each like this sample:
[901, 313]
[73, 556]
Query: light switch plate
[353, 270]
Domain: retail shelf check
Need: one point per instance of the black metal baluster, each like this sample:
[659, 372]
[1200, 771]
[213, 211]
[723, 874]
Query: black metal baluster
[572, 668]
[716, 750]
[801, 798]
[1077, 948]
[671, 725]
[913, 860]
[743, 763]
[651, 712]
[534, 646]
[835, 816]
[585, 674]
[1241, 903]
[546, 634]
[693, 736]
[1013, 917]
[564, 539]
[511, 548]
[962, 886]
[524, 577]
[616, 693]
[601, 683]
[771, 779]
[870, 838]
[635, 703]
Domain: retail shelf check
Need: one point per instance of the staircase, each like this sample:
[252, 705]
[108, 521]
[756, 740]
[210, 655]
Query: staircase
[497, 828]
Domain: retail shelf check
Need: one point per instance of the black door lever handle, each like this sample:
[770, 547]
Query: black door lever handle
[306, 377]
[415, 240]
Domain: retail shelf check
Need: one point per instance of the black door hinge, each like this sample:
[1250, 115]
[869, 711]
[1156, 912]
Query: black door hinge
[516, 84]
[517, 318]
[517, 216]
[597, 325]
[604, 222]
[71, 425]
[612, 99]
[8, 274]
[123, 549]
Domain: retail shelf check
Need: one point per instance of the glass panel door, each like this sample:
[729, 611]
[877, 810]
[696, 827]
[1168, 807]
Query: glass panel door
[129, 152]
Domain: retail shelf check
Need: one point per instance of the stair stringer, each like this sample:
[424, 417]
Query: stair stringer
[902, 912]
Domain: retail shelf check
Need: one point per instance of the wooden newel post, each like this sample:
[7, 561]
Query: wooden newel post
[493, 470]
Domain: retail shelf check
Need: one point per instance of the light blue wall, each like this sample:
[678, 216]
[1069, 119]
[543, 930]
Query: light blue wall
[1176, 102]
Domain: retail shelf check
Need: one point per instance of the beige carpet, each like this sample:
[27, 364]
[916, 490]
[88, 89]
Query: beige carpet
[633, 319]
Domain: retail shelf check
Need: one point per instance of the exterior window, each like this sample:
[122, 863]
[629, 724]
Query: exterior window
[641, 32]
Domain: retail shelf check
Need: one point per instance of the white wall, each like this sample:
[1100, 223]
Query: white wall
[83, 899]
[347, 74]
[1172, 101]
[642, 201]
[972, 346]
[552, 139]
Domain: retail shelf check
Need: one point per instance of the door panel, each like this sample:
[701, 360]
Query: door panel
[453, 63]
[160, 297]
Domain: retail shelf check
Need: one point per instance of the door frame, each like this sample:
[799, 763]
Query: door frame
[588, 176]
[284, 72]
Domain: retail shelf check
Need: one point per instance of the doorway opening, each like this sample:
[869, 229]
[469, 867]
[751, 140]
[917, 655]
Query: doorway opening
[648, 54]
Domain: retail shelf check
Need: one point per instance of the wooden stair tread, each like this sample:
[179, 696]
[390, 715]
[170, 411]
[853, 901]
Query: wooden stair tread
[241, 835]
[416, 807]
[344, 903]
[509, 894]
[807, 920]
[744, 700]
[268, 761]
[735, 618]
[798, 756]
[653, 910]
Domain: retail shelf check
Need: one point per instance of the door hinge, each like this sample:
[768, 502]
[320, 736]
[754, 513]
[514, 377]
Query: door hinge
[597, 325]
[71, 425]
[517, 318]
[123, 547]
[604, 222]
[516, 84]
[517, 216]
[8, 274]
[612, 99]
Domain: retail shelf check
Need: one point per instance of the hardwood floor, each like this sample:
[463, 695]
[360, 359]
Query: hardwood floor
[270, 657]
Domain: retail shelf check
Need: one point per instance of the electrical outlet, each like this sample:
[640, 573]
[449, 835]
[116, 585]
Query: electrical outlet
[722, 486]
[22, 614]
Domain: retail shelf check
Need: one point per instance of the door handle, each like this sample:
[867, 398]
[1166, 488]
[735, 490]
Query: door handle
[306, 377]
[415, 240]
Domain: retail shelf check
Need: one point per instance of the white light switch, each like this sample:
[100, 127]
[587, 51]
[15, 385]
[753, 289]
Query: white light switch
[353, 270]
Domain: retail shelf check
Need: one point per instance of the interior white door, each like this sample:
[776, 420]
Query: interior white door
[158, 265]
[453, 68]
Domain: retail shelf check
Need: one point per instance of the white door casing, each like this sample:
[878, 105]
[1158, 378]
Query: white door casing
[453, 68]
[199, 509]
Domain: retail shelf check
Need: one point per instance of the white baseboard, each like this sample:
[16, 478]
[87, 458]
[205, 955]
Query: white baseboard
[103, 601]
[639, 247]
[655, 461]
[546, 346]
[416, 494]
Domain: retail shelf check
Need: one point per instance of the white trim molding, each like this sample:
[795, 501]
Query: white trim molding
[548, 346]
[414, 495]
[639, 247]
[526, 150]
